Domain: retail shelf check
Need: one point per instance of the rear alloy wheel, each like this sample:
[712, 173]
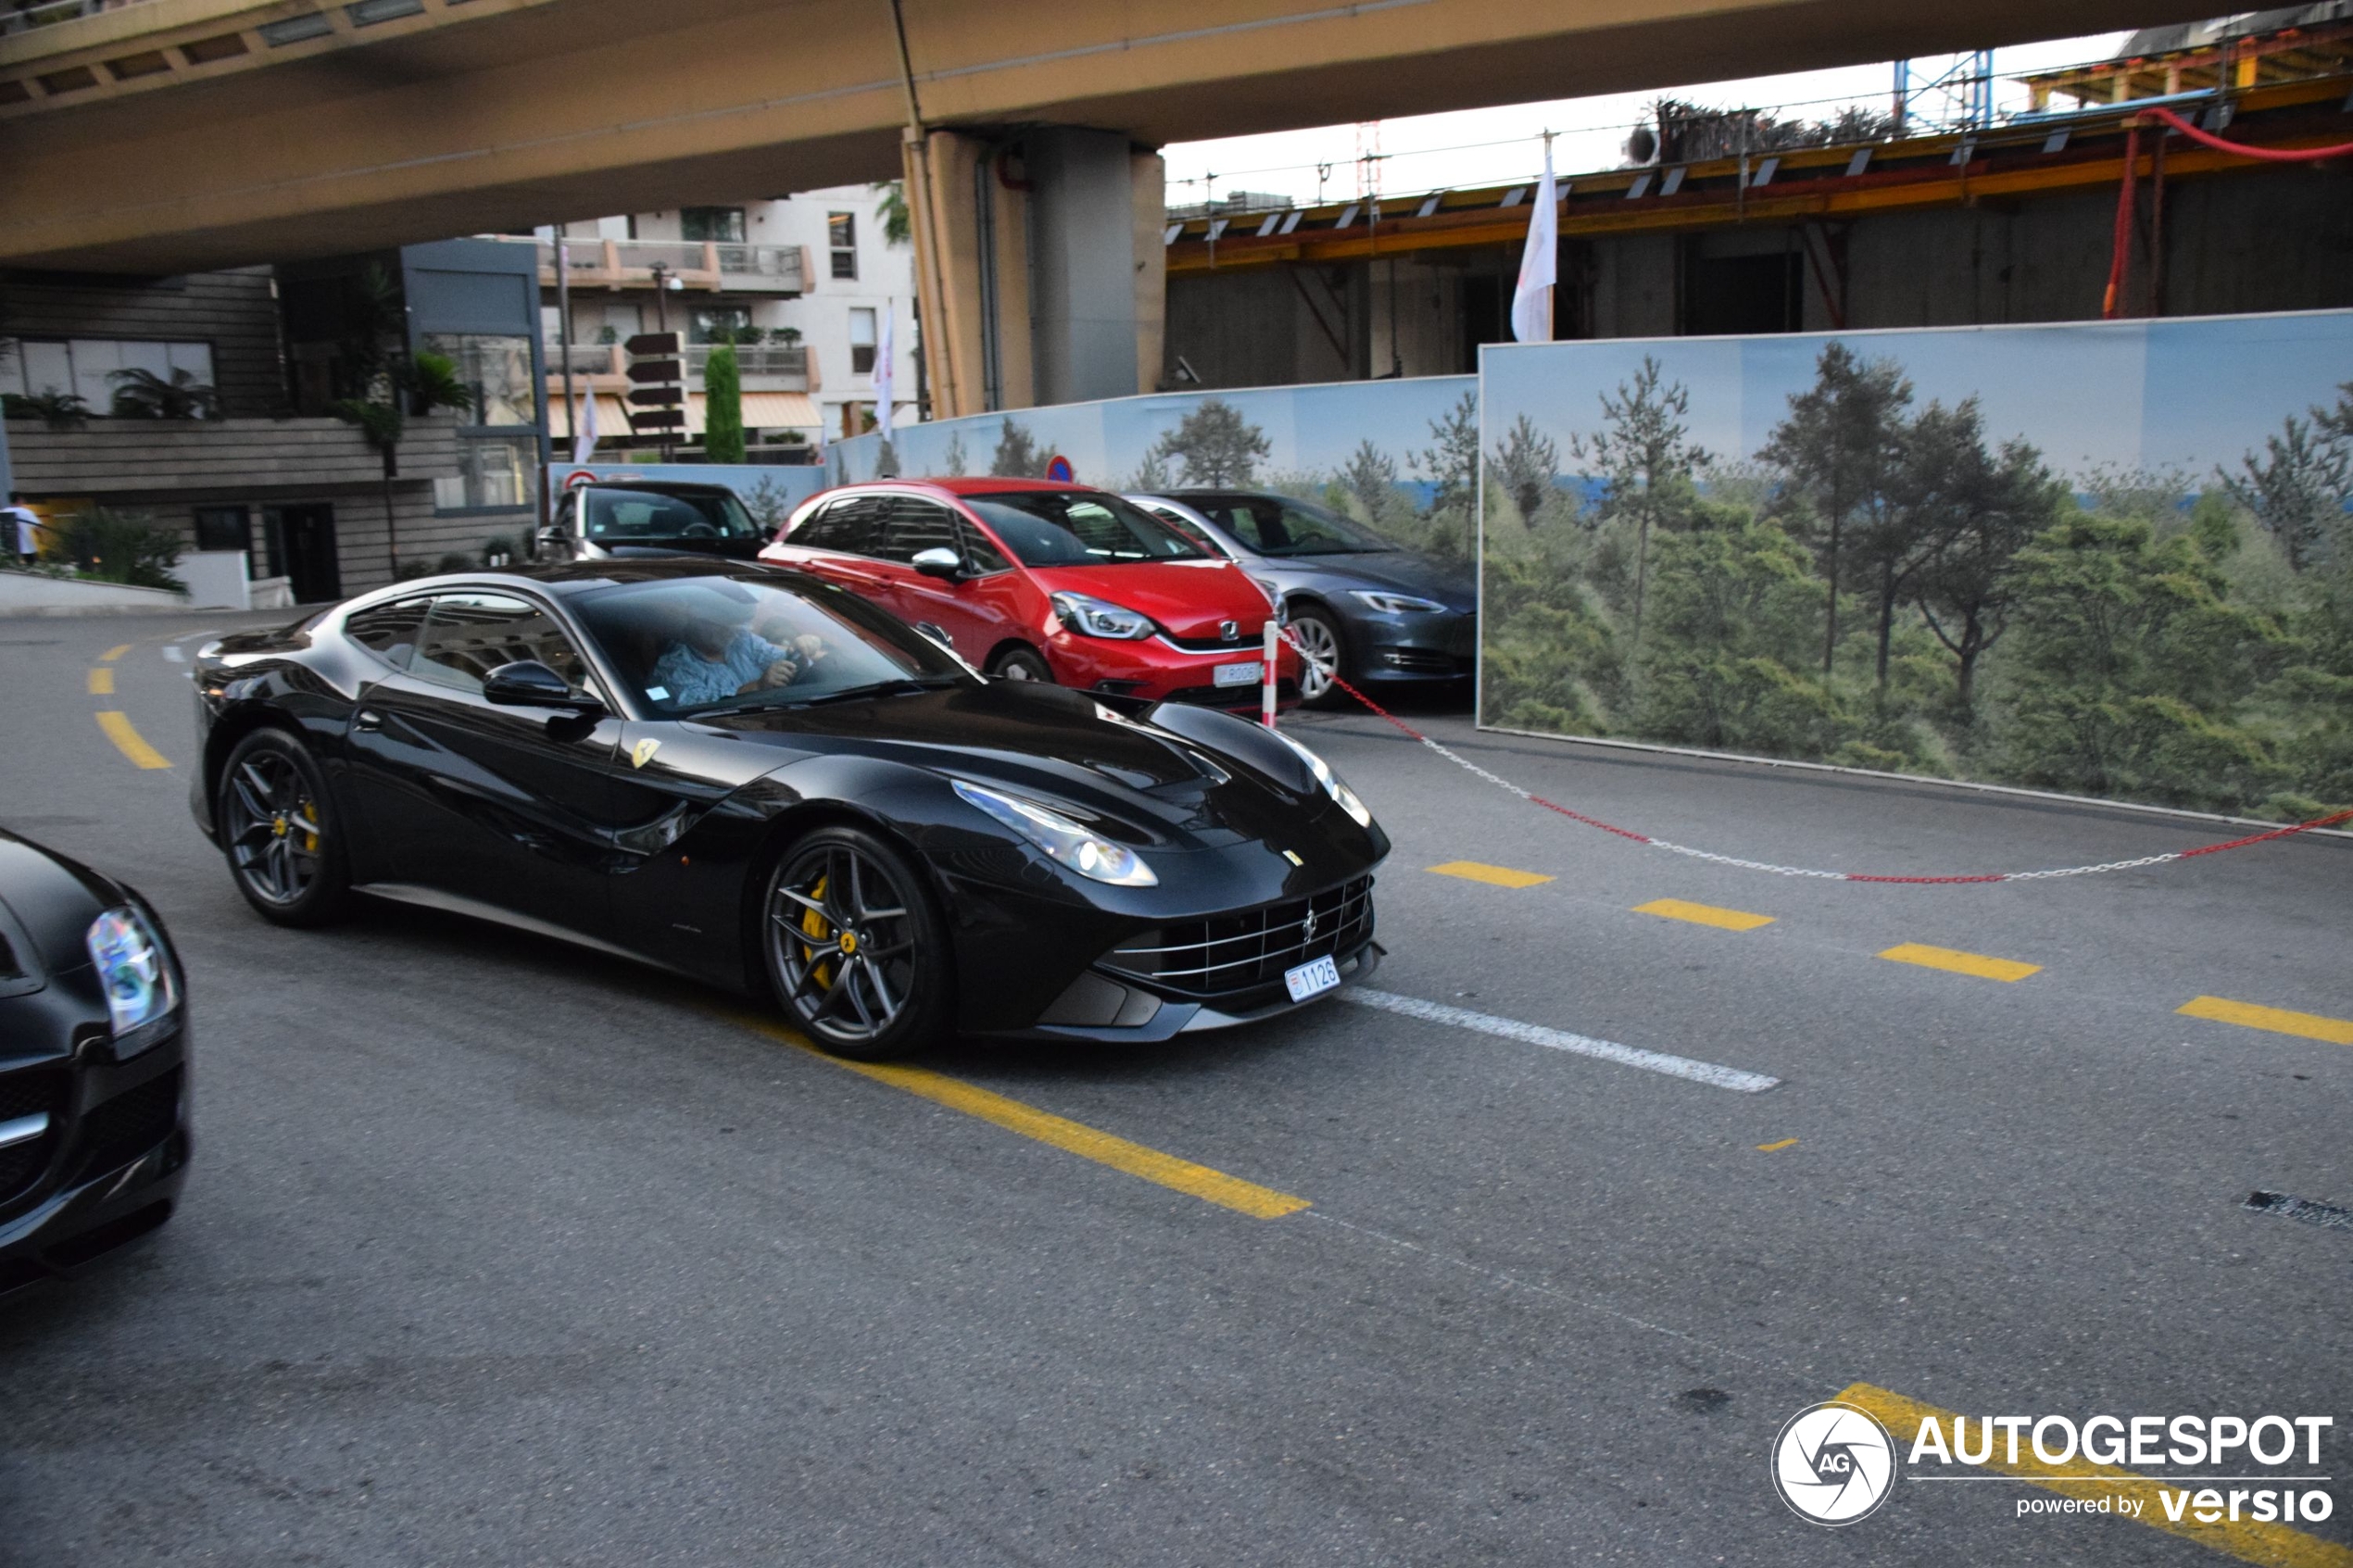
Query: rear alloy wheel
[854, 948]
[1020, 664]
[1318, 639]
[279, 832]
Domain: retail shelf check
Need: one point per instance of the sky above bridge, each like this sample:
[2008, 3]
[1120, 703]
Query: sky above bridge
[1495, 146]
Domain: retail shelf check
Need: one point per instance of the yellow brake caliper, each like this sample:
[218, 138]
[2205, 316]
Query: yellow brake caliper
[815, 926]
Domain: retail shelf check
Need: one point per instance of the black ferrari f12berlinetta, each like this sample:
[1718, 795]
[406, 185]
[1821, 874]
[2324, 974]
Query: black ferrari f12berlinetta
[747, 775]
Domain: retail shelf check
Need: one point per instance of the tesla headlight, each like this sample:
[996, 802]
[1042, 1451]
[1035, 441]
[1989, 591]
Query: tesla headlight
[1332, 782]
[1100, 618]
[1395, 604]
[1068, 843]
[135, 975]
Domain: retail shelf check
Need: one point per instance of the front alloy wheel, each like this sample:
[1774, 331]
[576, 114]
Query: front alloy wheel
[276, 831]
[854, 948]
[1318, 644]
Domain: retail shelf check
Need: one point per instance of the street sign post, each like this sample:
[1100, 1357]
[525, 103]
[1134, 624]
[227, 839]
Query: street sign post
[656, 391]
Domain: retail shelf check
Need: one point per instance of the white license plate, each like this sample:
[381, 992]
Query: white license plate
[1238, 674]
[1312, 979]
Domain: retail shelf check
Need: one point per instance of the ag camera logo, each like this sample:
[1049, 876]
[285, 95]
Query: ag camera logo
[1833, 1463]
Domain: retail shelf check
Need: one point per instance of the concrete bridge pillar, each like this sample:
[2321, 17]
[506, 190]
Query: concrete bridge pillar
[1039, 264]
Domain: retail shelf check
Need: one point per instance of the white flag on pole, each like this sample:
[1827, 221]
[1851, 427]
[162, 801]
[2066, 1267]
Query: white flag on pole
[584, 428]
[885, 374]
[1533, 298]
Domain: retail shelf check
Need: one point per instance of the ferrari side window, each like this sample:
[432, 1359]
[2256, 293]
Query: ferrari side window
[468, 635]
[388, 631]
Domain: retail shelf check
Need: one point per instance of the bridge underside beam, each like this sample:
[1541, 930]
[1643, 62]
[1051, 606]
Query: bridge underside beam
[576, 109]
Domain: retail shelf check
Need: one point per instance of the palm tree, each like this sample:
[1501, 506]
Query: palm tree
[143, 394]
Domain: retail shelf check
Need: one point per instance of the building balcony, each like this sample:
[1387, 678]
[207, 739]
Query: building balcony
[709, 267]
[604, 368]
[765, 366]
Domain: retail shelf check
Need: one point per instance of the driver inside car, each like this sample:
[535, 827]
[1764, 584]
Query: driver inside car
[716, 654]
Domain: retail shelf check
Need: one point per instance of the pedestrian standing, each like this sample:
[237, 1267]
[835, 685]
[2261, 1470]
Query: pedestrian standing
[20, 527]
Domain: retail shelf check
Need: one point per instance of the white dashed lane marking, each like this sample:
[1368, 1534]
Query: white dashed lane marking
[1561, 1041]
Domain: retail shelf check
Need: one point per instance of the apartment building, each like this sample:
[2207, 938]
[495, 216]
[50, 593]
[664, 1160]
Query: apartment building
[801, 283]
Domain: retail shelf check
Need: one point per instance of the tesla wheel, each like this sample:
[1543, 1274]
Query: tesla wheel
[855, 949]
[279, 831]
[1020, 664]
[1317, 638]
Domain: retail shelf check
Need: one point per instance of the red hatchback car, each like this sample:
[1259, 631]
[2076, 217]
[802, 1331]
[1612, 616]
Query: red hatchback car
[1029, 580]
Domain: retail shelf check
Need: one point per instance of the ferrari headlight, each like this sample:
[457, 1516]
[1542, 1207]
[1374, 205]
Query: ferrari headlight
[1100, 618]
[1330, 781]
[1068, 843]
[135, 975]
[1395, 604]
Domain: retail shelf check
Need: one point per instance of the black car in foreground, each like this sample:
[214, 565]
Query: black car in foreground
[1381, 617]
[94, 1066]
[747, 775]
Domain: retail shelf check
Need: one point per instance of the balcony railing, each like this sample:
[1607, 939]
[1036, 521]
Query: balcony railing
[758, 360]
[705, 265]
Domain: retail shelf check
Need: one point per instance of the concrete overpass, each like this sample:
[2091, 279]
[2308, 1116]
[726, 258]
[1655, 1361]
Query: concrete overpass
[164, 136]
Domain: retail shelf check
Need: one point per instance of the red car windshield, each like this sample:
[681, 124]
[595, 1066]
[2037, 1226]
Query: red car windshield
[1079, 528]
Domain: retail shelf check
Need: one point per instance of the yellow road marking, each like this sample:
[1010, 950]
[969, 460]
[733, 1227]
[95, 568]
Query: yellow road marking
[1959, 962]
[2275, 1546]
[2279, 1021]
[1494, 876]
[1703, 914]
[1073, 1137]
[101, 682]
[1769, 1147]
[130, 742]
[114, 653]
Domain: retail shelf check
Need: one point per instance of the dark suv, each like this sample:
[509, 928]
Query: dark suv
[651, 516]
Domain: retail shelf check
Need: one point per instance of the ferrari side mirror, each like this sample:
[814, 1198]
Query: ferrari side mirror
[529, 684]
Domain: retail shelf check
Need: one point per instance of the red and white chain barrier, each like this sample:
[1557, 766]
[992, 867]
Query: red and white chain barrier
[1504, 783]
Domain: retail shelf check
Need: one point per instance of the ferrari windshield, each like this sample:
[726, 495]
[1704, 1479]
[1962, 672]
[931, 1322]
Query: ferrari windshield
[1278, 526]
[1079, 528]
[616, 516]
[711, 643]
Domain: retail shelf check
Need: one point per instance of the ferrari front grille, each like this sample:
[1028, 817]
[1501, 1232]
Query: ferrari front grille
[1227, 954]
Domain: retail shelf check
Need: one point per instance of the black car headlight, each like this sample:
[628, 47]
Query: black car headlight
[1356, 810]
[1100, 618]
[1396, 604]
[1089, 855]
[135, 973]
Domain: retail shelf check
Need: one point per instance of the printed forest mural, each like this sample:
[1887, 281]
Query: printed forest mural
[1889, 580]
[2111, 558]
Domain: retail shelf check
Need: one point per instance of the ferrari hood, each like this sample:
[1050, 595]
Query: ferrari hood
[1188, 598]
[1188, 782]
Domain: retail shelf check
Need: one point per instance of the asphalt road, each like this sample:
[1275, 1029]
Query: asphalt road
[498, 1252]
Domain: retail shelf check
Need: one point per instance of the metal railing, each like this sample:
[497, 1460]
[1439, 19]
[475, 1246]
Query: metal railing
[756, 358]
[632, 261]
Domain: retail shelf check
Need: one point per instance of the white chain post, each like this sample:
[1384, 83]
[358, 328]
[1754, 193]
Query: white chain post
[1273, 640]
